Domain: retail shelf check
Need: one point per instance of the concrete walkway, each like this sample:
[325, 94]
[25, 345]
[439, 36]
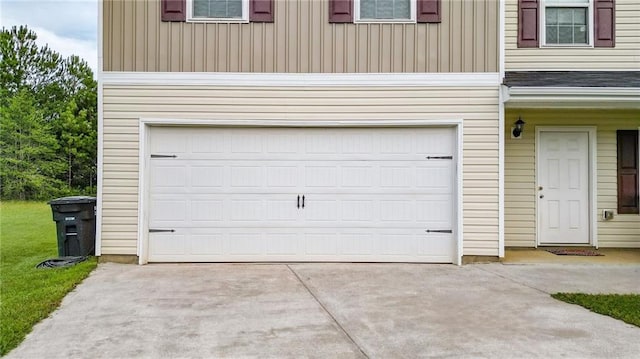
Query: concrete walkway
[336, 311]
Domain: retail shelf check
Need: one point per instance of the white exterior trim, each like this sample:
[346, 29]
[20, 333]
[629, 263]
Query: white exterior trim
[543, 24]
[143, 162]
[302, 79]
[502, 43]
[593, 172]
[99, 169]
[459, 233]
[501, 145]
[571, 97]
[143, 194]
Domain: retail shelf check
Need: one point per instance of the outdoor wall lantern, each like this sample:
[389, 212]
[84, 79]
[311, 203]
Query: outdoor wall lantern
[517, 128]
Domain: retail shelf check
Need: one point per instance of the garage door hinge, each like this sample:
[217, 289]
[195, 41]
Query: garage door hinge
[439, 157]
[439, 231]
[153, 230]
[163, 156]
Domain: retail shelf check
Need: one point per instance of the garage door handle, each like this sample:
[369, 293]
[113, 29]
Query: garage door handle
[302, 201]
[298, 201]
[439, 231]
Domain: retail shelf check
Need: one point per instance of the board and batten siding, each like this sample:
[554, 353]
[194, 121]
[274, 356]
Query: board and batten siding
[300, 40]
[125, 105]
[624, 56]
[520, 186]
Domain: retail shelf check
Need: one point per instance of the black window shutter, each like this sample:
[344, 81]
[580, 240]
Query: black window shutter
[528, 23]
[604, 19]
[340, 11]
[173, 10]
[628, 199]
[428, 11]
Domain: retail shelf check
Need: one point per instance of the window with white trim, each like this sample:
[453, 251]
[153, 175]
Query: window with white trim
[218, 10]
[385, 10]
[567, 22]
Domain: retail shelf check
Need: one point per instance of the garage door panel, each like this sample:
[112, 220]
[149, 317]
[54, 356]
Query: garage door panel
[161, 244]
[369, 194]
[211, 244]
[398, 244]
[321, 210]
[358, 243]
[358, 211]
[282, 243]
[165, 140]
[358, 176]
[206, 176]
[436, 244]
[435, 177]
[168, 210]
[207, 211]
[169, 176]
[283, 210]
[320, 243]
[285, 143]
[282, 176]
[248, 142]
[246, 243]
[246, 176]
[208, 142]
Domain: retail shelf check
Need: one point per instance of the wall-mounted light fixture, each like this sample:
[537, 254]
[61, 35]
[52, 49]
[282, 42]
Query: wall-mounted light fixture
[518, 127]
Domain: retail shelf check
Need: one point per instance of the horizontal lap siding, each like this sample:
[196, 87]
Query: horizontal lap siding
[624, 56]
[301, 39]
[124, 105]
[520, 185]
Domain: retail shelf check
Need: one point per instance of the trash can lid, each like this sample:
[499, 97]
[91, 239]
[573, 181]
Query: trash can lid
[73, 200]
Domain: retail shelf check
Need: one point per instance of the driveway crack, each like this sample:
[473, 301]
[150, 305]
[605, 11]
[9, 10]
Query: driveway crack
[513, 280]
[328, 312]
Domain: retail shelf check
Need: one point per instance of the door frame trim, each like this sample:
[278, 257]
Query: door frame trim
[145, 124]
[592, 175]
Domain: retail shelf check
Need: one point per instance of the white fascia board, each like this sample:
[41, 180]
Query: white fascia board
[571, 97]
[471, 79]
[503, 39]
[100, 120]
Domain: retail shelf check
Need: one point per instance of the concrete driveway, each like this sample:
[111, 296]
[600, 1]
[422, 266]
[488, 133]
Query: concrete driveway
[336, 311]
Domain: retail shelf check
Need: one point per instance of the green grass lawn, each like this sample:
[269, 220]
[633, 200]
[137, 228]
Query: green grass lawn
[27, 294]
[625, 307]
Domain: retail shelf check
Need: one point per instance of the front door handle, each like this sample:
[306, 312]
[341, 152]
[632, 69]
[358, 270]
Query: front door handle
[302, 201]
[298, 201]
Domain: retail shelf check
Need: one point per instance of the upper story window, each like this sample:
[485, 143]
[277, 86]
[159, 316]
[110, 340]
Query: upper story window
[566, 22]
[381, 11]
[218, 10]
[385, 10]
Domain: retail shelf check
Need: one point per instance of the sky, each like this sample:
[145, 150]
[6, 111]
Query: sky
[69, 27]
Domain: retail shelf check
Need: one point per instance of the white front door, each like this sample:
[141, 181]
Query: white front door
[295, 194]
[563, 188]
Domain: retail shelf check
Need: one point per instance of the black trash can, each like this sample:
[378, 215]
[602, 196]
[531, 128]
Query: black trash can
[75, 219]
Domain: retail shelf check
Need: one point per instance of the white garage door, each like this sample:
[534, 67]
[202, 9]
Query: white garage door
[301, 194]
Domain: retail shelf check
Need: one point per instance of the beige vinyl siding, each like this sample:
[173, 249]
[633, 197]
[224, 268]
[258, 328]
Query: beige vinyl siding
[125, 105]
[624, 56]
[520, 187]
[300, 40]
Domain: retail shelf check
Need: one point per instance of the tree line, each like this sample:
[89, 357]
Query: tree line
[48, 120]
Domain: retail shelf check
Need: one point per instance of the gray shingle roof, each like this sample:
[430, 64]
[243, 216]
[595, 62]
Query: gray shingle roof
[572, 78]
